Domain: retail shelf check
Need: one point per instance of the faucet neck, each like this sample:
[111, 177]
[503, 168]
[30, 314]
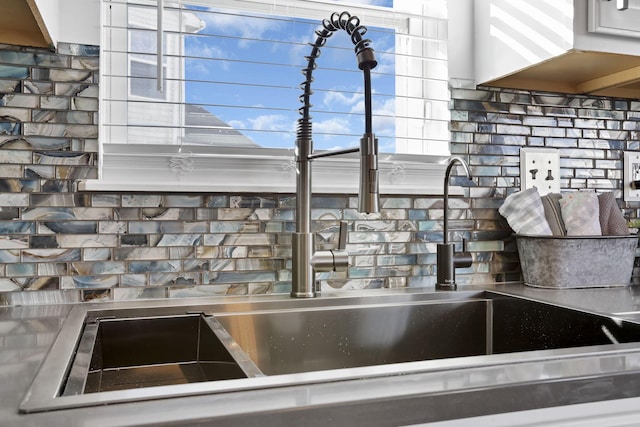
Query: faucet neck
[452, 162]
[366, 62]
[447, 259]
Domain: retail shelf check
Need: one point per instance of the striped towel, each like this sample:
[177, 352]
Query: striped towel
[581, 213]
[612, 222]
[525, 213]
[552, 212]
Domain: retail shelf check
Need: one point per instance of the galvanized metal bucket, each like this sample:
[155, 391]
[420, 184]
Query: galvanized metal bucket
[561, 262]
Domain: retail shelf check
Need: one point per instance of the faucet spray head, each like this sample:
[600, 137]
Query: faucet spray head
[369, 195]
[366, 58]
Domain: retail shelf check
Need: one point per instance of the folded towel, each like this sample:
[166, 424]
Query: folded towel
[551, 204]
[525, 213]
[612, 222]
[581, 213]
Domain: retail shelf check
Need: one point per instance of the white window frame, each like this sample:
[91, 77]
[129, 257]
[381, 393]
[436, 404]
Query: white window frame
[130, 167]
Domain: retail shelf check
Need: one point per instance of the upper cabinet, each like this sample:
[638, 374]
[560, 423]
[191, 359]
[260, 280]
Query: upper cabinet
[569, 46]
[605, 17]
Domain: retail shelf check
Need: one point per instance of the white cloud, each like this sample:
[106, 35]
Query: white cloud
[242, 26]
[271, 130]
[267, 122]
[386, 108]
[337, 96]
[237, 124]
[358, 108]
[386, 63]
[384, 120]
[383, 112]
[199, 68]
[198, 49]
[337, 125]
[387, 147]
[270, 122]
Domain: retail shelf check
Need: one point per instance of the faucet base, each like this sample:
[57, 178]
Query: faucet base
[304, 294]
[446, 271]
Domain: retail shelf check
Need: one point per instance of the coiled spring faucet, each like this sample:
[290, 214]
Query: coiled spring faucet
[304, 261]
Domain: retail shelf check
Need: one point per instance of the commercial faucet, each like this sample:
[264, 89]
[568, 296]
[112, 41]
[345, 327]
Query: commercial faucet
[305, 262]
[448, 260]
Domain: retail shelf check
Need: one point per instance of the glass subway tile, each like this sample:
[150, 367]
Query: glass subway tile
[554, 142]
[133, 280]
[180, 200]
[184, 227]
[144, 227]
[85, 63]
[155, 266]
[252, 202]
[13, 72]
[134, 253]
[486, 246]
[144, 243]
[50, 255]
[22, 269]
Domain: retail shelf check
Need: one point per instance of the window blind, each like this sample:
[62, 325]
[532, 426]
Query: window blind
[222, 78]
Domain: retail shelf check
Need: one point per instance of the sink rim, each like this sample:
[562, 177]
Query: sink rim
[43, 393]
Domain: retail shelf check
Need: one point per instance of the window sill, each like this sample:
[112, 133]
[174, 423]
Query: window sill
[270, 172]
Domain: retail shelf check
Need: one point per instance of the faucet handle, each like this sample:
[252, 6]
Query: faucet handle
[335, 259]
[342, 238]
[463, 259]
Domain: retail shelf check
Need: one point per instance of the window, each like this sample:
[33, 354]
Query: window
[142, 83]
[208, 99]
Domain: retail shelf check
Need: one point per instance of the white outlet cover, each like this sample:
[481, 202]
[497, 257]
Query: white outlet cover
[631, 173]
[540, 168]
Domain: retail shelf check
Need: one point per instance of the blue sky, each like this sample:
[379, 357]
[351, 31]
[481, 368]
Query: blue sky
[239, 54]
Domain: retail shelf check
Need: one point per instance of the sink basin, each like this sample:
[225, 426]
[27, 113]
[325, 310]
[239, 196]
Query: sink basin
[146, 352]
[346, 337]
[141, 351]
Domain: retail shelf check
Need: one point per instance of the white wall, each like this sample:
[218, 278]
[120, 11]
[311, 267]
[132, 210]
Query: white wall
[460, 47]
[72, 21]
[48, 10]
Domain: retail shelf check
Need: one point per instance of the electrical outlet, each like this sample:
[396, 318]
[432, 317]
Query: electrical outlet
[631, 181]
[540, 168]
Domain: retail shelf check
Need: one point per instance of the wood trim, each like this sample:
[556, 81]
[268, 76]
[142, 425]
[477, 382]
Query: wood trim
[621, 78]
[40, 22]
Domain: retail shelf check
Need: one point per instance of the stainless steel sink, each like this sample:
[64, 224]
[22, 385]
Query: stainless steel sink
[145, 352]
[353, 336]
[346, 337]
[142, 351]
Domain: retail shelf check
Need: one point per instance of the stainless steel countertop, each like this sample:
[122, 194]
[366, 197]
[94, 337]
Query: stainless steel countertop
[27, 333]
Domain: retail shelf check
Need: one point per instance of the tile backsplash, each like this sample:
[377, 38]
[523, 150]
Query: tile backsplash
[59, 244]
